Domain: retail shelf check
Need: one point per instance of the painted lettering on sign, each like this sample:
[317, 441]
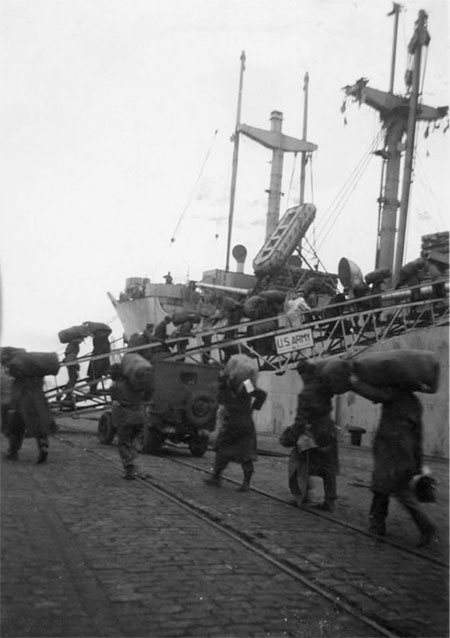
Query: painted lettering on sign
[291, 341]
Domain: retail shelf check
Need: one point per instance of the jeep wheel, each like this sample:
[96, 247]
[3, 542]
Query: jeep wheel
[201, 409]
[105, 428]
[198, 445]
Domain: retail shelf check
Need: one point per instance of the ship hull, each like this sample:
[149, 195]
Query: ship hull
[352, 410]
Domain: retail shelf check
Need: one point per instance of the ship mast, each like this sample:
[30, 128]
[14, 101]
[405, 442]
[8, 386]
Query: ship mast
[421, 38]
[399, 116]
[279, 144]
[235, 139]
[305, 129]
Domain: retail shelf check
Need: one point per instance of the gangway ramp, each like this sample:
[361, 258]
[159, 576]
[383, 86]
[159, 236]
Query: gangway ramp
[343, 329]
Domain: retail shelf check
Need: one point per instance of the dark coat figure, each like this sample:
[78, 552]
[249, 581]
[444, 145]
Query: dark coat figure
[160, 334]
[129, 416]
[99, 367]
[184, 330]
[319, 456]
[6, 381]
[137, 340]
[161, 329]
[70, 356]
[28, 416]
[397, 453]
[236, 440]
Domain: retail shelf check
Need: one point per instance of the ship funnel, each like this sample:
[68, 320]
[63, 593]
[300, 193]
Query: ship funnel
[239, 252]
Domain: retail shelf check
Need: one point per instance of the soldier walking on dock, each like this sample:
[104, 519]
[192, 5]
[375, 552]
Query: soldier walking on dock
[129, 416]
[313, 439]
[29, 415]
[397, 451]
[236, 440]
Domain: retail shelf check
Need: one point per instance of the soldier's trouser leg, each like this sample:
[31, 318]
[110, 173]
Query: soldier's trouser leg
[426, 528]
[248, 469]
[42, 443]
[16, 433]
[219, 465]
[127, 450]
[378, 513]
[329, 488]
[72, 371]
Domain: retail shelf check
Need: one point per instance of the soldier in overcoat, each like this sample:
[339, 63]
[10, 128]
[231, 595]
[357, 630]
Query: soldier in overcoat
[313, 420]
[98, 367]
[397, 453]
[28, 415]
[236, 440]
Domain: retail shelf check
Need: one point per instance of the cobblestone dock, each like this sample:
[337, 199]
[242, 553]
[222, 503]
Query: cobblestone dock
[87, 554]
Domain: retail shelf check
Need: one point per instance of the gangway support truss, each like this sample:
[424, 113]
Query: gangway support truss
[344, 329]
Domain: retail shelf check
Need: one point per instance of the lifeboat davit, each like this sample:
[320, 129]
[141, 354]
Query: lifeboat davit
[284, 239]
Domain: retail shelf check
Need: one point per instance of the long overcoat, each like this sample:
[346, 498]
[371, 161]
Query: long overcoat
[314, 406]
[236, 440]
[397, 445]
[29, 404]
[101, 345]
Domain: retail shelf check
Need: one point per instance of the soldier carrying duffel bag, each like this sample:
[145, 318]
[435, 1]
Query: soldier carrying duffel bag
[29, 414]
[391, 378]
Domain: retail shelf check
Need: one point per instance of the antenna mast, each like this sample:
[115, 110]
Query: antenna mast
[235, 139]
[305, 128]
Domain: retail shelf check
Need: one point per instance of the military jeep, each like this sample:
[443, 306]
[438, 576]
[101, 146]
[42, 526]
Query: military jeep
[182, 408]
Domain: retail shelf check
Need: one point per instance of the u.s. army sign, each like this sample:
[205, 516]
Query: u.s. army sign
[291, 341]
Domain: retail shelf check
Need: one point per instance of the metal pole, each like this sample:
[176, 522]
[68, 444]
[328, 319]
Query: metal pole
[419, 39]
[396, 11]
[305, 127]
[235, 138]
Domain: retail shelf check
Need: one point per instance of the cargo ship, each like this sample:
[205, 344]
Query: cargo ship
[282, 274]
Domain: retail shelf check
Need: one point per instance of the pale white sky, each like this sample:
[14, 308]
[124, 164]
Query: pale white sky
[109, 109]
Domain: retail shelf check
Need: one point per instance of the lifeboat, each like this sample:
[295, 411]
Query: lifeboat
[286, 236]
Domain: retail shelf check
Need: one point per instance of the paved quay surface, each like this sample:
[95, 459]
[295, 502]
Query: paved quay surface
[85, 553]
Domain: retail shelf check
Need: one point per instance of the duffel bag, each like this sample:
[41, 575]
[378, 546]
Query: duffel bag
[414, 370]
[75, 332]
[7, 353]
[34, 364]
[239, 368]
[97, 326]
[336, 374]
[180, 317]
[137, 370]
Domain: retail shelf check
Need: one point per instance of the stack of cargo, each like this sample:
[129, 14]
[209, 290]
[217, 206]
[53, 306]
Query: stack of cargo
[435, 248]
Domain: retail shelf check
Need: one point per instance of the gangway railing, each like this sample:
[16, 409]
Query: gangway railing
[345, 328]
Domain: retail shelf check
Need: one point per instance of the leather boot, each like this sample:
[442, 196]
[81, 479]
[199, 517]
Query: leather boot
[378, 514]
[247, 468]
[130, 473]
[43, 453]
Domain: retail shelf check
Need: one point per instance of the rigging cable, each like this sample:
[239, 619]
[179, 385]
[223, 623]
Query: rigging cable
[348, 184]
[346, 192]
[312, 199]
[191, 196]
[428, 197]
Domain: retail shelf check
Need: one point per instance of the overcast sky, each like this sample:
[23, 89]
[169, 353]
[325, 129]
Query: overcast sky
[116, 117]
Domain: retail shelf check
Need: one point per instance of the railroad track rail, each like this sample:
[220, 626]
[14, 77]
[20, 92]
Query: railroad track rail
[353, 587]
